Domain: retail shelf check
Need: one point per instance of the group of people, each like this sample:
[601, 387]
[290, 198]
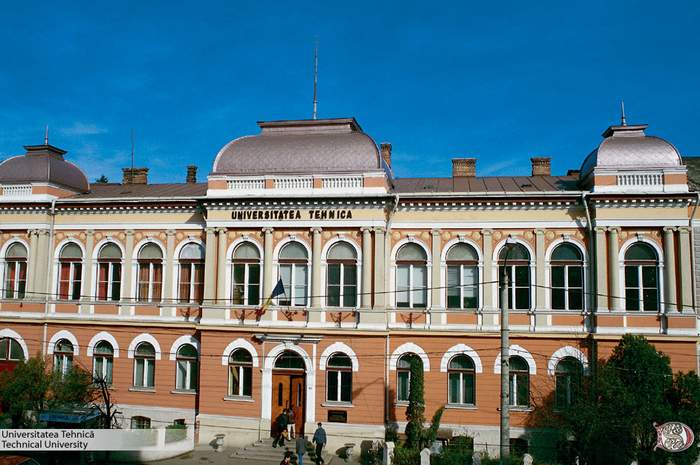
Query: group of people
[285, 424]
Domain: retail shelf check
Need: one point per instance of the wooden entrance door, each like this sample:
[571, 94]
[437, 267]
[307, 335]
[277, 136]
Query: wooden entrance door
[288, 393]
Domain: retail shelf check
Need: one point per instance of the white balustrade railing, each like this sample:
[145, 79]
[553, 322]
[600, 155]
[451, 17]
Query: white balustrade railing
[294, 183]
[246, 184]
[16, 190]
[640, 180]
[342, 182]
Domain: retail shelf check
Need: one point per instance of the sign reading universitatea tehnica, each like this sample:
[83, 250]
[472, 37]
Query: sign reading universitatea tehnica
[291, 214]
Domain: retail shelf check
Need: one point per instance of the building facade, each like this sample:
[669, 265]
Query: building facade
[162, 288]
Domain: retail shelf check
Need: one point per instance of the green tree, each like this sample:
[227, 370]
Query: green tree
[416, 406]
[102, 179]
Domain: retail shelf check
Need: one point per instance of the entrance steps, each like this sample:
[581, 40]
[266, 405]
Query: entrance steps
[263, 451]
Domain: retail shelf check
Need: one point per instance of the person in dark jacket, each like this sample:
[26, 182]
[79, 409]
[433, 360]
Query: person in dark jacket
[282, 421]
[320, 440]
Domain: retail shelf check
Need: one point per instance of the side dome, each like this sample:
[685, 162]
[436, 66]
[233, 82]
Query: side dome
[628, 147]
[43, 164]
[300, 147]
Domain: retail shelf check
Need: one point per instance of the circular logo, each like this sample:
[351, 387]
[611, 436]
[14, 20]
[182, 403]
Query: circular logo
[673, 436]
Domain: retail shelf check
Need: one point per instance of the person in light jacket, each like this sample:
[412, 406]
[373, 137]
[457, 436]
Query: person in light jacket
[320, 440]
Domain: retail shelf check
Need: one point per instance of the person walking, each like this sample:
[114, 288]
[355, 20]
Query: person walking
[282, 421]
[290, 426]
[301, 449]
[320, 440]
[286, 460]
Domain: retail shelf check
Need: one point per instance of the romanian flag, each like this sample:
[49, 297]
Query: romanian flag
[278, 290]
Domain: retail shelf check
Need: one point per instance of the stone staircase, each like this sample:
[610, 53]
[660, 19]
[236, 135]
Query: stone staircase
[264, 452]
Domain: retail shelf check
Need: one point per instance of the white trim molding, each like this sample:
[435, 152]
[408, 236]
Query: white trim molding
[63, 334]
[103, 336]
[563, 352]
[240, 343]
[187, 339]
[143, 337]
[407, 348]
[339, 347]
[461, 349]
[520, 352]
[266, 385]
[7, 332]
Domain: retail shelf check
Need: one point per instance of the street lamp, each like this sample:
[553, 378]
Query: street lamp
[505, 358]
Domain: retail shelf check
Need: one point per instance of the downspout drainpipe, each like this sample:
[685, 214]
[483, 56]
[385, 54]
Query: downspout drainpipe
[47, 290]
[692, 255]
[592, 267]
[387, 400]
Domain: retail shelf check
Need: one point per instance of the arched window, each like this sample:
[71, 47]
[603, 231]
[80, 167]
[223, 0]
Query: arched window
[411, 277]
[290, 360]
[246, 275]
[191, 263]
[10, 350]
[294, 273]
[63, 357]
[339, 378]
[461, 380]
[240, 374]
[341, 275]
[15, 271]
[519, 382]
[150, 261]
[515, 260]
[144, 365]
[568, 375]
[567, 278]
[641, 277]
[70, 272]
[109, 272]
[186, 376]
[102, 361]
[403, 376]
[462, 277]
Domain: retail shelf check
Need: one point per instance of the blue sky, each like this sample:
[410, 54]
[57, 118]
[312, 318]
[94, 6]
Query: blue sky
[500, 81]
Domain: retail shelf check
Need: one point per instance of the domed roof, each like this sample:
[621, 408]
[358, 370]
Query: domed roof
[301, 147]
[43, 163]
[627, 147]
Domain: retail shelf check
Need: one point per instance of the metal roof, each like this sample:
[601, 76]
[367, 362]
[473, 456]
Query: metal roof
[489, 184]
[125, 191]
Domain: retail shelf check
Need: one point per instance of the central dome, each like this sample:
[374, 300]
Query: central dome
[301, 147]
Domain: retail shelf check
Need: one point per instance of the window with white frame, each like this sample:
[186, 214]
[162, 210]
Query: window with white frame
[294, 273]
[566, 267]
[10, 350]
[341, 279]
[144, 365]
[462, 277]
[102, 362]
[339, 378]
[519, 381]
[62, 357]
[150, 277]
[641, 277]
[411, 277]
[186, 376]
[191, 262]
[514, 259]
[461, 380]
[109, 272]
[246, 275]
[403, 376]
[15, 271]
[240, 373]
[568, 375]
[70, 272]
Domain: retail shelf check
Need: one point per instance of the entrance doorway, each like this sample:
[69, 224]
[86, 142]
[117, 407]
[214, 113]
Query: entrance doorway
[289, 390]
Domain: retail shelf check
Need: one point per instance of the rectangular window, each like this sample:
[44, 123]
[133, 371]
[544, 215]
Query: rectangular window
[286, 277]
[420, 282]
[403, 285]
[403, 385]
[300, 280]
[240, 381]
[454, 388]
[334, 284]
[144, 372]
[253, 284]
[453, 290]
[519, 389]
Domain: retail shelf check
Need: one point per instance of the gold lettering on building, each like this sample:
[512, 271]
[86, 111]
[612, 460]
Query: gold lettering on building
[277, 215]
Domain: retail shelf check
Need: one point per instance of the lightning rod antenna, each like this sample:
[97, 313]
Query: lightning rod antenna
[315, 78]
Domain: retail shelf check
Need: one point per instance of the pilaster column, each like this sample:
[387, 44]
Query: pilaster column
[210, 267]
[539, 269]
[379, 267]
[221, 267]
[87, 290]
[128, 294]
[601, 275]
[686, 280]
[267, 264]
[435, 279]
[169, 271]
[316, 291]
[670, 300]
[43, 266]
[366, 268]
[31, 265]
[487, 273]
[617, 303]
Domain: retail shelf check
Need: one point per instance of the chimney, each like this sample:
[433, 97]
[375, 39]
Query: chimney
[191, 174]
[463, 167]
[385, 148]
[135, 176]
[541, 166]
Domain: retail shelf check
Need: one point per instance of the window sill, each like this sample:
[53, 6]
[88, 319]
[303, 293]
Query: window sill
[514, 408]
[401, 403]
[331, 404]
[239, 399]
[186, 392]
[461, 407]
[142, 389]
